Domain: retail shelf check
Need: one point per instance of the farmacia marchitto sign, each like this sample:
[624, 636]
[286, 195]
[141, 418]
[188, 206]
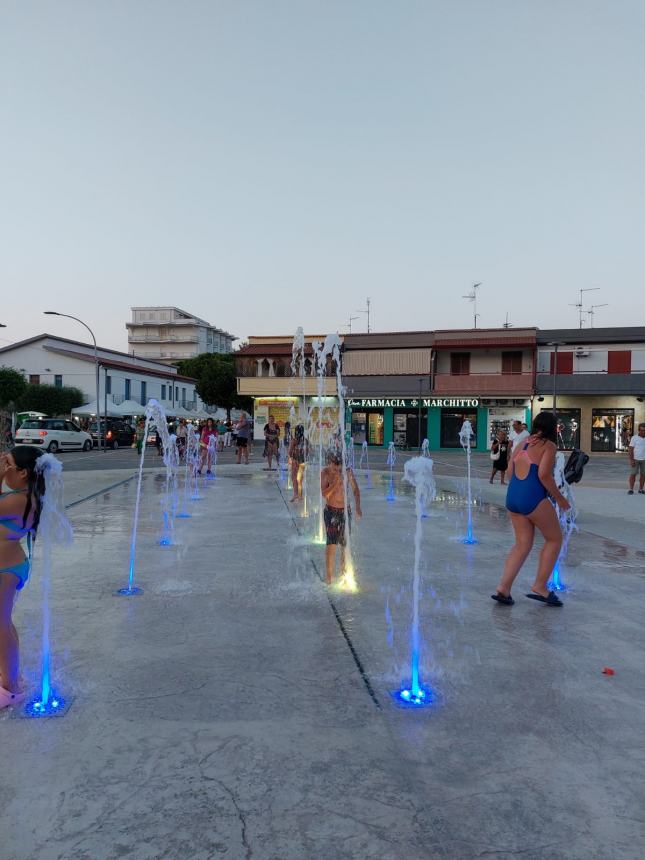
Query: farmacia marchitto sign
[406, 402]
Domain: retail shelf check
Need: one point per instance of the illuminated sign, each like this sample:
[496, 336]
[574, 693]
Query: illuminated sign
[413, 402]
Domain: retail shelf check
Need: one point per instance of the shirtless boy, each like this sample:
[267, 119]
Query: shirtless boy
[331, 485]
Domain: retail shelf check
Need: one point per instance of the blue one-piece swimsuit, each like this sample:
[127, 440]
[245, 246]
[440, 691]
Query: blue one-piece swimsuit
[525, 494]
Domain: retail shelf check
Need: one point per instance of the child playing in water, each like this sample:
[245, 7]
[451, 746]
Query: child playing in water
[20, 509]
[333, 491]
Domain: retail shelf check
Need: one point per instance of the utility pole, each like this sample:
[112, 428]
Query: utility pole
[592, 310]
[579, 303]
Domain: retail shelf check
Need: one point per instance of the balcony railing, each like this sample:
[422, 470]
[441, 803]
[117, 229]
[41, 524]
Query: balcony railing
[483, 383]
[163, 338]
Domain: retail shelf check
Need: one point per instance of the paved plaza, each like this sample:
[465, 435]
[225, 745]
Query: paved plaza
[239, 709]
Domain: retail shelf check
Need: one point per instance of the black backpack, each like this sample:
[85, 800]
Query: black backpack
[575, 466]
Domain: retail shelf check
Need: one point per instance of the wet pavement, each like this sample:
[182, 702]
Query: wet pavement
[239, 709]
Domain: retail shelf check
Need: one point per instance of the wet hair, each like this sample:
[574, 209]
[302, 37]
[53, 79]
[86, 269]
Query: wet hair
[26, 457]
[334, 457]
[211, 421]
[545, 426]
[299, 432]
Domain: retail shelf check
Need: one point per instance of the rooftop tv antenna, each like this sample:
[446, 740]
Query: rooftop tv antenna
[349, 324]
[579, 303]
[472, 297]
[592, 310]
[361, 311]
[507, 324]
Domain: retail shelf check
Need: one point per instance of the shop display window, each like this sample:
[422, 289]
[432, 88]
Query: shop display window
[568, 428]
[451, 422]
[367, 427]
[406, 428]
[611, 429]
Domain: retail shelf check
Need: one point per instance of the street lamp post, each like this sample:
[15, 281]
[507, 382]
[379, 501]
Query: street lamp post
[96, 364]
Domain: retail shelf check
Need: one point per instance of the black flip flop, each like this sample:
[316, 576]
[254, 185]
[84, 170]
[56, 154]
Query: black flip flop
[551, 600]
[501, 598]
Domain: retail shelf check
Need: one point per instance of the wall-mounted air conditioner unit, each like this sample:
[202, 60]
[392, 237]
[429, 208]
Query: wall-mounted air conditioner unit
[581, 352]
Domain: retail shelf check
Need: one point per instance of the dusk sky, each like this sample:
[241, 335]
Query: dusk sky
[270, 164]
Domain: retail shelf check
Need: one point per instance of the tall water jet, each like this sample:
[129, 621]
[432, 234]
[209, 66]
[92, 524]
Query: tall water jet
[391, 460]
[283, 460]
[189, 462]
[365, 456]
[332, 347]
[425, 448]
[567, 520]
[53, 529]
[211, 458]
[130, 589]
[298, 369]
[193, 455]
[418, 472]
[320, 356]
[465, 436]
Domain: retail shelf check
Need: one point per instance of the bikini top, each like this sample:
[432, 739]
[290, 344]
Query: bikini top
[9, 522]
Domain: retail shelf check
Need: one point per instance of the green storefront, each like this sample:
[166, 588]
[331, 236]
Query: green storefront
[381, 420]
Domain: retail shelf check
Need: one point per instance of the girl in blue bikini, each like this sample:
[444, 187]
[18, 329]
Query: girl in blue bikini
[20, 507]
[527, 500]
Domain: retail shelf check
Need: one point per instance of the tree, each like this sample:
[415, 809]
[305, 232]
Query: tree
[216, 381]
[51, 399]
[12, 386]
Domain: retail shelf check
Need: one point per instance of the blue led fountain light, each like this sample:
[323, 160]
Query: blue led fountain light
[466, 435]
[418, 472]
[391, 460]
[53, 529]
[567, 520]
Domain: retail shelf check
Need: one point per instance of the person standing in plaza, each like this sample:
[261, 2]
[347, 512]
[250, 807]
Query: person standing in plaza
[298, 459]
[499, 452]
[333, 492]
[228, 436]
[242, 440]
[527, 500]
[636, 453]
[208, 431]
[271, 441]
[518, 435]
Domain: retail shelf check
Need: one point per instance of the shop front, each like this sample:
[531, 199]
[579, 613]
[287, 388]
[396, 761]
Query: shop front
[600, 424]
[408, 421]
[322, 415]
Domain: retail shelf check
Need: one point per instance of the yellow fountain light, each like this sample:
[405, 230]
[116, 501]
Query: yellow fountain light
[347, 582]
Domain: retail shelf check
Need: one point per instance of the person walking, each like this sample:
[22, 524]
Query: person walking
[518, 435]
[636, 453]
[242, 440]
[531, 483]
[182, 433]
[228, 436]
[499, 452]
[271, 442]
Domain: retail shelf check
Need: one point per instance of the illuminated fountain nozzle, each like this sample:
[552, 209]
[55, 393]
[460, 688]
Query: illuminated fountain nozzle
[347, 582]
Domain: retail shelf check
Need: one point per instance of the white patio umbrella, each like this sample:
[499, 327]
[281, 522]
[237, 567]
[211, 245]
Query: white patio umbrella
[113, 410]
[131, 407]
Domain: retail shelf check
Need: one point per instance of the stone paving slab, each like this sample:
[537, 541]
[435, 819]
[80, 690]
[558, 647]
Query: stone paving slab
[222, 713]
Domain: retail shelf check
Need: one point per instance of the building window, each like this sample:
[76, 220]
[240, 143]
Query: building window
[619, 361]
[611, 429]
[451, 421]
[459, 363]
[127, 389]
[108, 385]
[565, 362]
[512, 362]
[367, 427]
[58, 380]
[144, 398]
[176, 393]
[183, 396]
[163, 392]
[34, 379]
[568, 430]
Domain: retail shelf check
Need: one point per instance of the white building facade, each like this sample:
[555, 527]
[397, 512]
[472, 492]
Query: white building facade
[168, 334]
[57, 361]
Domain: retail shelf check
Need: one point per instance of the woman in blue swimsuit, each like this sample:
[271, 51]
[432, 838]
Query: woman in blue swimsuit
[20, 507]
[527, 500]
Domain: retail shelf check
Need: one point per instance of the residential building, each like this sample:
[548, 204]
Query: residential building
[597, 378]
[168, 334]
[264, 373]
[59, 361]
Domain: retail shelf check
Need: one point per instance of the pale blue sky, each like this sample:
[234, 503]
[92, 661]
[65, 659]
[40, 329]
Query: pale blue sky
[270, 164]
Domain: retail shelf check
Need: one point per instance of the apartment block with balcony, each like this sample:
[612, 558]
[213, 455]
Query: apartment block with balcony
[597, 378]
[264, 373]
[168, 334]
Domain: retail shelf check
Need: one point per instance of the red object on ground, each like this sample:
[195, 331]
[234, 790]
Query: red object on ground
[608, 671]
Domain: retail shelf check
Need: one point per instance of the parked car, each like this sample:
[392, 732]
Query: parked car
[119, 434]
[54, 434]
